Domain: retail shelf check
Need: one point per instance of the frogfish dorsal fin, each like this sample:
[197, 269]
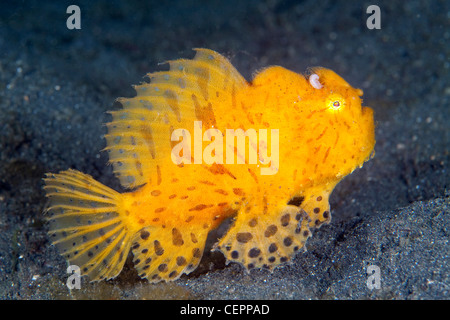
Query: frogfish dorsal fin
[138, 139]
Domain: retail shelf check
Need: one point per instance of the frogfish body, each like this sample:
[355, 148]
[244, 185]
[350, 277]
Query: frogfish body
[199, 144]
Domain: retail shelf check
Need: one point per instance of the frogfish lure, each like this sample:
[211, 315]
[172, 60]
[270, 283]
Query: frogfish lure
[319, 133]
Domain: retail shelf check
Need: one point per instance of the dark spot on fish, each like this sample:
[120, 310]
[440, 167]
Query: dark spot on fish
[270, 231]
[254, 252]
[243, 237]
[145, 234]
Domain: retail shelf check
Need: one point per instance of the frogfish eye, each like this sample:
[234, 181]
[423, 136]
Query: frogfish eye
[335, 102]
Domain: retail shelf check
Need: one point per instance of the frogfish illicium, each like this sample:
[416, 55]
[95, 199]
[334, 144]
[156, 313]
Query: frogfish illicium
[198, 145]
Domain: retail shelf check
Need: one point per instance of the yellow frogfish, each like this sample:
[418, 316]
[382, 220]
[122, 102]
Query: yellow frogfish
[198, 145]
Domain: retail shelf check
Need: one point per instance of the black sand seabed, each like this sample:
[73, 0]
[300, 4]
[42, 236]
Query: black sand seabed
[56, 85]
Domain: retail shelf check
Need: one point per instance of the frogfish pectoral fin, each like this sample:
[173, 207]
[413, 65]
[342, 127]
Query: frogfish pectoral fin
[265, 240]
[166, 253]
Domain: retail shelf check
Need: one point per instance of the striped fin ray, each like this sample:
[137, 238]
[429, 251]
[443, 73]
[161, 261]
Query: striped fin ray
[86, 224]
[138, 139]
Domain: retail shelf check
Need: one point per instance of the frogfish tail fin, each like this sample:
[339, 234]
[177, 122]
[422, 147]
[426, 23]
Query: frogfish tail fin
[87, 223]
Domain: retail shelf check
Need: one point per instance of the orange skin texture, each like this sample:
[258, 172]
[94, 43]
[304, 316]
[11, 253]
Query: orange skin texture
[318, 145]
[324, 134]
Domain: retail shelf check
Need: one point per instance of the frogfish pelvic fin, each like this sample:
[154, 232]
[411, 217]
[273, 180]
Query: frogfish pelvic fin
[316, 132]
